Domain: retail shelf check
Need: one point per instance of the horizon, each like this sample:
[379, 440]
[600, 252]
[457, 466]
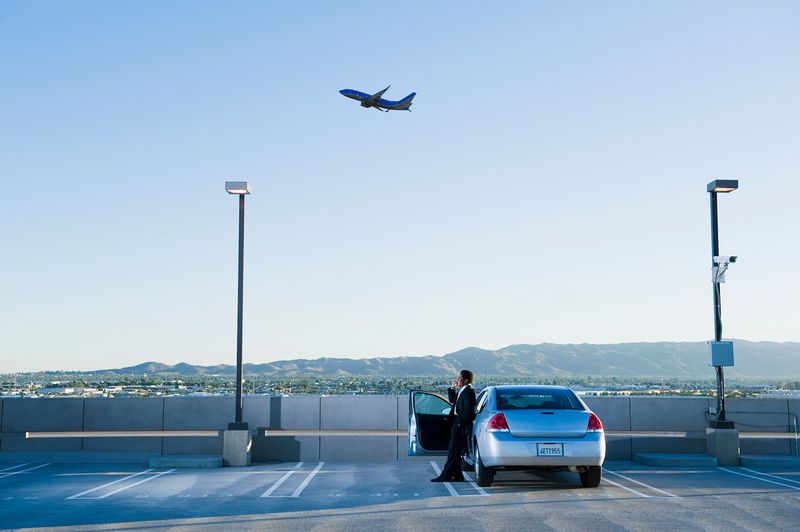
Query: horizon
[549, 183]
[324, 357]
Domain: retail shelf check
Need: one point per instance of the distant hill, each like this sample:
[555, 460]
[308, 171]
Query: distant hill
[657, 359]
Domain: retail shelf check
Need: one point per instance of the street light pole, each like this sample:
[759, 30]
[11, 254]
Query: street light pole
[239, 313]
[241, 189]
[718, 186]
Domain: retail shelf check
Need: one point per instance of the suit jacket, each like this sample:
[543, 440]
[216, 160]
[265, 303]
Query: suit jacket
[463, 411]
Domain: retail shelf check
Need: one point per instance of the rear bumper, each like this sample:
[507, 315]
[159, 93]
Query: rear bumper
[500, 449]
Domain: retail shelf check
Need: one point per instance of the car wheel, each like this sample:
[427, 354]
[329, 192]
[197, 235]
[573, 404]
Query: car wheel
[592, 477]
[485, 475]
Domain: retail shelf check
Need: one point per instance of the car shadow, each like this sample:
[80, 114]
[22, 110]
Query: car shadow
[536, 480]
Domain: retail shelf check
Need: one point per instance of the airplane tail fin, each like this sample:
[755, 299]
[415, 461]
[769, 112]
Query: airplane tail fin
[405, 103]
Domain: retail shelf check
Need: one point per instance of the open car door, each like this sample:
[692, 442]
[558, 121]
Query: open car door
[428, 423]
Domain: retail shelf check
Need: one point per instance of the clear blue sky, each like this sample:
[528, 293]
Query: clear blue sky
[548, 187]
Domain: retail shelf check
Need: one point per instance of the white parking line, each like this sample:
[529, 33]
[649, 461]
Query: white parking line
[474, 485]
[12, 467]
[4, 475]
[282, 480]
[759, 478]
[109, 484]
[772, 476]
[302, 486]
[453, 493]
[123, 488]
[668, 494]
[626, 488]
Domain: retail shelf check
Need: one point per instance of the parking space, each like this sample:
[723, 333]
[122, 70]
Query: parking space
[102, 494]
[699, 482]
[113, 487]
[792, 476]
[55, 481]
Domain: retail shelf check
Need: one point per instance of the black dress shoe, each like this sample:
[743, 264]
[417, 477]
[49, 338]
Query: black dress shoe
[438, 479]
[457, 479]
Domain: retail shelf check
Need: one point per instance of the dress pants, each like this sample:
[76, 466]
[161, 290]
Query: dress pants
[458, 444]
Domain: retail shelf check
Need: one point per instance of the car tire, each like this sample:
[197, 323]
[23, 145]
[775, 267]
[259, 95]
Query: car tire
[466, 466]
[592, 477]
[484, 475]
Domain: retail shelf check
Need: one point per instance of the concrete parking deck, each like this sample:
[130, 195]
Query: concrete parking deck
[393, 495]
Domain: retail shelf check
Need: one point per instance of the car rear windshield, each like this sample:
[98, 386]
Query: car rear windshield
[537, 399]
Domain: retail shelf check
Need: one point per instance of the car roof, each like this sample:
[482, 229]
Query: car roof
[530, 386]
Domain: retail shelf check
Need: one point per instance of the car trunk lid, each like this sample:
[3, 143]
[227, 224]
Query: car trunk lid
[547, 423]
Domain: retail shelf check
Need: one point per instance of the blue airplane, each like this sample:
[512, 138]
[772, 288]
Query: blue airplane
[375, 100]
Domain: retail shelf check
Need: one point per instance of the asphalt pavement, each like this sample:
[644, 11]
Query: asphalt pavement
[393, 496]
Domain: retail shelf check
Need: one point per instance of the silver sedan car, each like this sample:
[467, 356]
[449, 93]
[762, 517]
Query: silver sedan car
[516, 428]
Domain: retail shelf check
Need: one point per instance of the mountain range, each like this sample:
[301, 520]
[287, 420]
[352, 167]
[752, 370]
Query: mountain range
[654, 359]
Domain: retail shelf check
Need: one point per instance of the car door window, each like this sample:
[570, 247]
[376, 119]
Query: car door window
[426, 403]
[428, 428]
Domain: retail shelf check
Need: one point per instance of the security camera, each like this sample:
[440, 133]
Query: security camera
[721, 264]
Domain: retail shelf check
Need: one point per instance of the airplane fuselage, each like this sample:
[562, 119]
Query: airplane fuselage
[368, 100]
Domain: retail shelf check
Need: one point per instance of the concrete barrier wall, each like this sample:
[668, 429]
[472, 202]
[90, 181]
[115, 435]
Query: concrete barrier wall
[764, 415]
[353, 412]
[685, 414]
[22, 415]
[615, 414]
[123, 414]
[294, 412]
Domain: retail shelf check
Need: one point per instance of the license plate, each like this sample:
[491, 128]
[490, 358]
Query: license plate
[549, 449]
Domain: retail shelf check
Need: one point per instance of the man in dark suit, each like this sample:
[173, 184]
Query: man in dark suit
[462, 414]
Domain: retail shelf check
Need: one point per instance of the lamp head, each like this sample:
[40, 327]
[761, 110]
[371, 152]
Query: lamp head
[723, 185]
[237, 187]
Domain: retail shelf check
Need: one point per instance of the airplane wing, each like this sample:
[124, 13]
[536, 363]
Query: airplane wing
[377, 95]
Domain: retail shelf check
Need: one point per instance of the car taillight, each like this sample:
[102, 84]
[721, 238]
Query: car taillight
[594, 424]
[497, 424]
